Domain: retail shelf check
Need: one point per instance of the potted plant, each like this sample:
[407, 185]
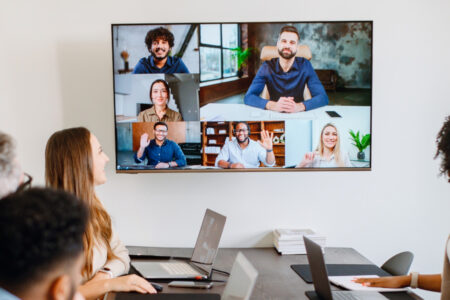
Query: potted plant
[361, 144]
[242, 57]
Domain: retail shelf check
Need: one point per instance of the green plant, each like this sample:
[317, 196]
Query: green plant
[242, 56]
[362, 143]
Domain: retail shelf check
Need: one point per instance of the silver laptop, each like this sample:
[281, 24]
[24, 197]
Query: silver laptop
[320, 278]
[201, 262]
[242, 280]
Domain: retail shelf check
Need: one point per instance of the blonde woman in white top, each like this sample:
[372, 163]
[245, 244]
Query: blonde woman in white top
[328, 153]
[75, 162]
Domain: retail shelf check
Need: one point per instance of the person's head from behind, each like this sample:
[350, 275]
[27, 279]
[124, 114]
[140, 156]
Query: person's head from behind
[10, 171]
[160, 130]
[159, 93]
[287, 42]
[41, 234]
[75, 162]
[241, 132]
[159, 42]
[443, 147]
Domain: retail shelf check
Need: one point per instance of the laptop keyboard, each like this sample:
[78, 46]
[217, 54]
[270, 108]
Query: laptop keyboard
[179, 268]
[344, 296]
[356, 295]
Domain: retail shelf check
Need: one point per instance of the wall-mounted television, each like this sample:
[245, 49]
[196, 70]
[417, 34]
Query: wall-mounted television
[260, 96]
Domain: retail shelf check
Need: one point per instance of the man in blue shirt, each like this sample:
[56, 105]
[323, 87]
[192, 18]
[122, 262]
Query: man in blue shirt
[159, 42]
[160, 152]
[41, 249]
[286, 78]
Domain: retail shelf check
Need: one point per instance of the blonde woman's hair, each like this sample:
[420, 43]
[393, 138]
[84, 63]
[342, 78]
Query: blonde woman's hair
[337, 148]
[69, 167]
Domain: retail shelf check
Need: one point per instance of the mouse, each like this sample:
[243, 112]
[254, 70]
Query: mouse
[157, 287]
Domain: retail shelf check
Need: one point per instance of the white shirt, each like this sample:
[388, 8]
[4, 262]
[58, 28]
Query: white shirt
[117, 266]
[320, 162]
[250, 156]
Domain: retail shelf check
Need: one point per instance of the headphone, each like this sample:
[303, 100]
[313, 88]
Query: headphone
[241, 122]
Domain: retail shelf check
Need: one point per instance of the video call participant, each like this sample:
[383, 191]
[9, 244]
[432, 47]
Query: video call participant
[328, 152]
[159, 42]
[243, 152]
[286, 78]
[159, 95]
[431, 282]
[75, 162]
[160, 151]
[41, 249]
[11, 174]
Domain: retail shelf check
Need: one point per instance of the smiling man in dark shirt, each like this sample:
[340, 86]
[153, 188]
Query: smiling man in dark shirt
[160, 152]
[286, 78]
[159, 42]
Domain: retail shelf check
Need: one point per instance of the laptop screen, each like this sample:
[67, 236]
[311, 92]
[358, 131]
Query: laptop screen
[242, 279]
[209, 237]
[318, 269]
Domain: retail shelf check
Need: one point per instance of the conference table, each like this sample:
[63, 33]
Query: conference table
[238, 112]
[276, 279]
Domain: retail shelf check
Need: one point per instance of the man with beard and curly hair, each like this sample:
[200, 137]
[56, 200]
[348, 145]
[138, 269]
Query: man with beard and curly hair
[159, 43]
[285, 78]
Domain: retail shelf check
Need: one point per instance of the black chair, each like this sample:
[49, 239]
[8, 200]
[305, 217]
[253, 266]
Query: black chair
[399, 264]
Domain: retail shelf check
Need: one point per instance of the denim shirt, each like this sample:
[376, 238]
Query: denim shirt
[5, 295]
[173, 65]
[286, 84]
[169, 151]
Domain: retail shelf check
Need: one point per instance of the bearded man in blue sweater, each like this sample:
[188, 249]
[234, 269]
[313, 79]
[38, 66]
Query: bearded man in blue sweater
[286, 78]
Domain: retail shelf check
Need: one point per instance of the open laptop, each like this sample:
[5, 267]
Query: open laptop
[200, 264]
[239, 286]
[242, 280]
[321, 282]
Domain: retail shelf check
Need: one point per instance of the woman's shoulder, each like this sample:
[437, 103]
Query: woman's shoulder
[173, 115]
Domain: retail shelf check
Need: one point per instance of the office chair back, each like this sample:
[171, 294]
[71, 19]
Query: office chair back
[399, 264]
[269, 52]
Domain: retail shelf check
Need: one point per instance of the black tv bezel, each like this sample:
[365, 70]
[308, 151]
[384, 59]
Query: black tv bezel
[268, 169]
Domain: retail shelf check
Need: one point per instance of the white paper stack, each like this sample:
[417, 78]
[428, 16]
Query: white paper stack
[290, 241]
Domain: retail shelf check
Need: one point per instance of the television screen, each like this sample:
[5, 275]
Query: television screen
[269, 96]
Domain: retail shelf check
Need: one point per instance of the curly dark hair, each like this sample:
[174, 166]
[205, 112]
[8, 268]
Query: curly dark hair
[40, 230]
[159, 33]
[443, 147]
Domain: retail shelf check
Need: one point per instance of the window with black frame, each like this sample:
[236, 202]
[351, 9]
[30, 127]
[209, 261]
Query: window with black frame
[218, 60]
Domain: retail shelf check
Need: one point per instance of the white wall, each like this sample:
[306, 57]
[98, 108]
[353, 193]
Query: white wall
[56, 72]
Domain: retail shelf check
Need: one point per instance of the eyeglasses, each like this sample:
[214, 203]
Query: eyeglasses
[241, 131]
[161, 131]
[26, 184]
